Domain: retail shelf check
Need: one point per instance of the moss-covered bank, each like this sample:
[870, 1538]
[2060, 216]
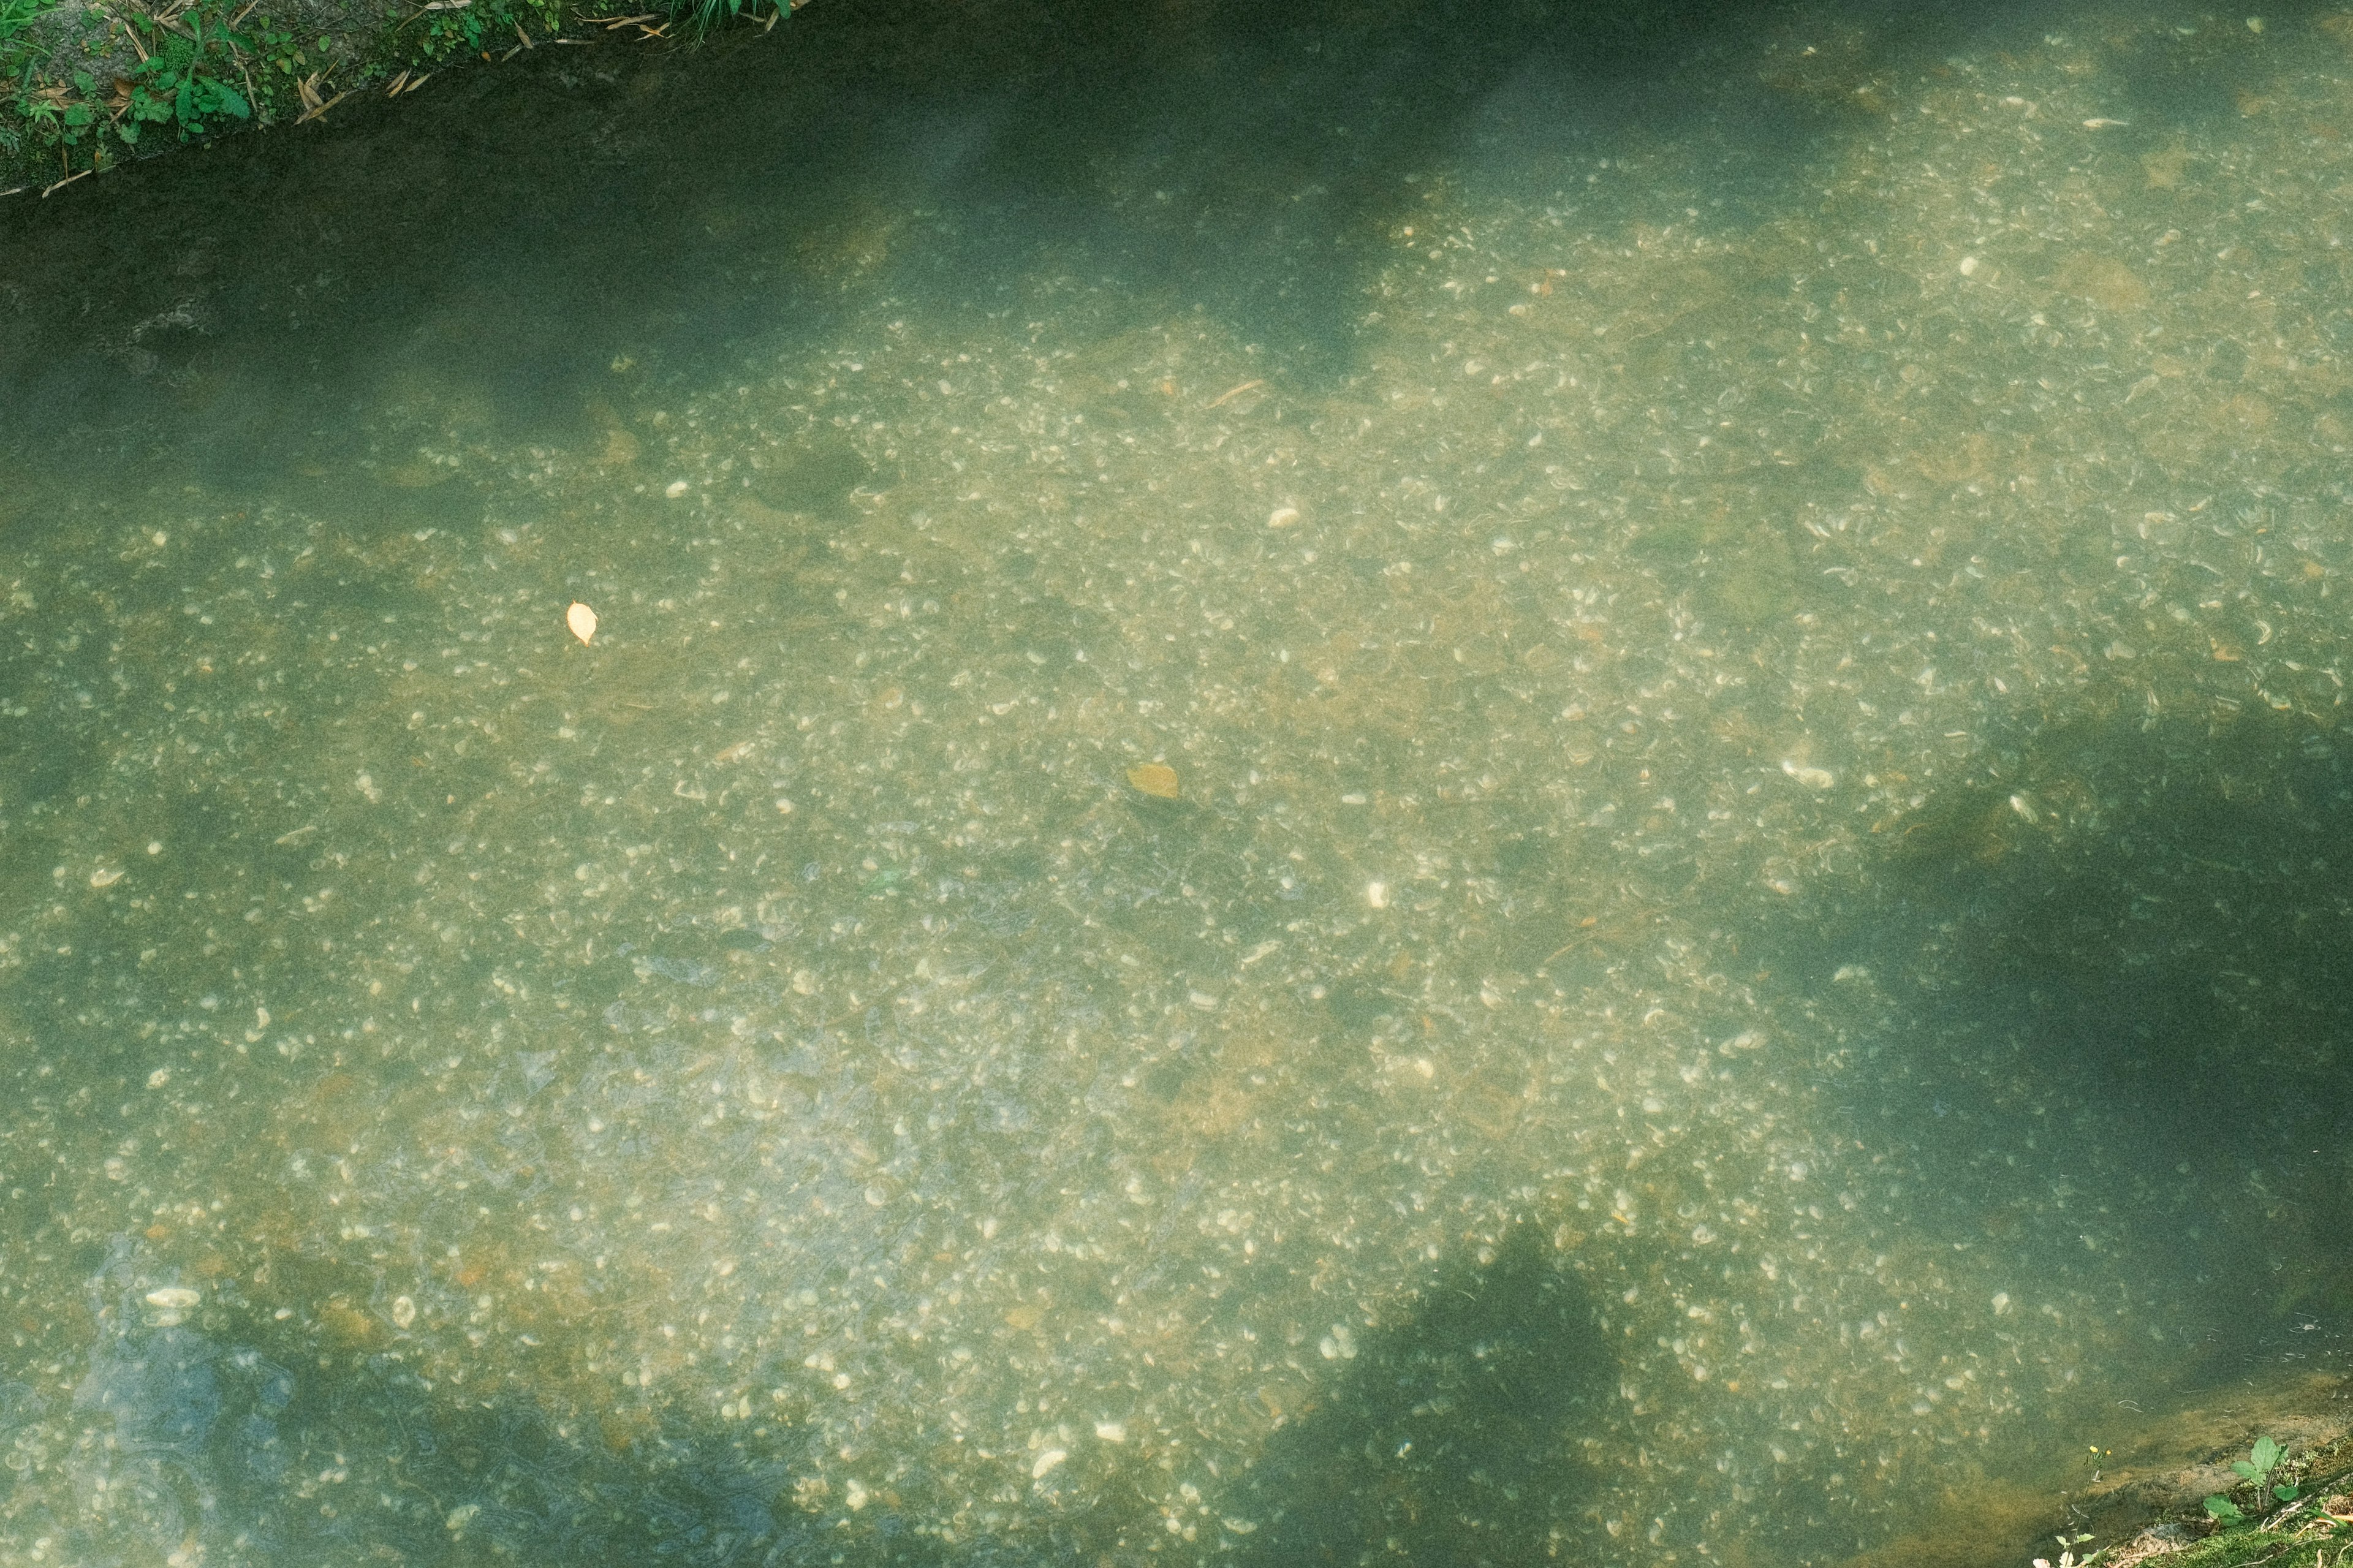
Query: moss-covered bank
[85, 85]
[2280, 1513]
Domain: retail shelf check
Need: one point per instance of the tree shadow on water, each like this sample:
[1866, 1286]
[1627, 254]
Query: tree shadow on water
[475, 265]
[2123, 958]
[305, 1438]
[1446, 1441]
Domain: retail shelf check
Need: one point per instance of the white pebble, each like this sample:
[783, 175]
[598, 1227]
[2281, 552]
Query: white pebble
[1046, 1461]
[676, 488]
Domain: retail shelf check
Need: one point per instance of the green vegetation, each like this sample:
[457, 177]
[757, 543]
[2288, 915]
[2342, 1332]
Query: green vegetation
[2309, 1540]
[181, 78]
[2067, 1558]
[467, 26]
[82, 81]
[185, 65]
[20, 59]
[2285, 1510]
[2255, 1469]
[702, 15]
[16, 16]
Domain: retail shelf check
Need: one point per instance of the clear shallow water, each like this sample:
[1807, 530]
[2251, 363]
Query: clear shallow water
[1748, 621]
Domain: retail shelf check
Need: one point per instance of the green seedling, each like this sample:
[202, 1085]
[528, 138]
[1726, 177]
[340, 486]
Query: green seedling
[2255, 1469]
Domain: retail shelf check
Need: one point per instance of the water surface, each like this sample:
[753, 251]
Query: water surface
[1465, 790]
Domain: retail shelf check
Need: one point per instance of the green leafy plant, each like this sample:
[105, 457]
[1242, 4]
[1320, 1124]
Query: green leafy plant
[2259, 1464]
[2255, 1469]
[183, 77]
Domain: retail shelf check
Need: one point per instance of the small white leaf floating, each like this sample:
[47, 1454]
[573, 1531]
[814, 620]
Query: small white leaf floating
[582, 620]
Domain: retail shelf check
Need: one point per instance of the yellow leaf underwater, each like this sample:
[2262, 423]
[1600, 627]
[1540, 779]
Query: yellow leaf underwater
[1156, 779]
[582, 620]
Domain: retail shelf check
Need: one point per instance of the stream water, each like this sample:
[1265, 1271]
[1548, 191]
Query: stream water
[1358, 783]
